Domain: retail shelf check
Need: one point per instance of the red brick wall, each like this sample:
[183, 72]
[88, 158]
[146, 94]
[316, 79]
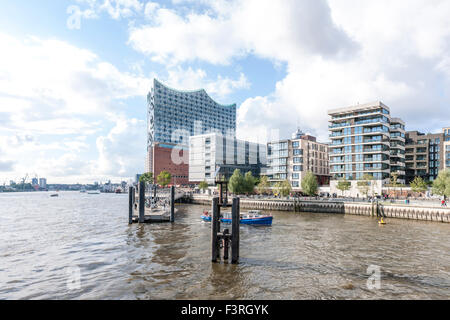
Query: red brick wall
[162, 160]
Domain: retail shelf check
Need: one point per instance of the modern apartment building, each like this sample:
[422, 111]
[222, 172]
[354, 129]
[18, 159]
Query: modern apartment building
[174, 116]
[212, 153]
[291, 159]
[397, 152]
[446, 163]
[363, 138]
[43, 183]
[424, 155]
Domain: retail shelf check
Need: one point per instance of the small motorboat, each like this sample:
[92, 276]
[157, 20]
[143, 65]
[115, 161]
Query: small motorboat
[251, 217]
[54, 195]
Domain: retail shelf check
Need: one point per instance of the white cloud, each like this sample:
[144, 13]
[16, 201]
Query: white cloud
[122, 151]
[190, 79]
[117, 9]
[338, 53]
[53, 95]
[237, 28]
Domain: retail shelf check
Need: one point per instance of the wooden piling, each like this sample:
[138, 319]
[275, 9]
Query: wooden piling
[141, 202]
[172, 204]
[235, 221]
[215, 228]
[226, 243]
[130, 205]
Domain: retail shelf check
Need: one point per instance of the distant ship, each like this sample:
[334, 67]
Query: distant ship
[94, 192]
[54, 195]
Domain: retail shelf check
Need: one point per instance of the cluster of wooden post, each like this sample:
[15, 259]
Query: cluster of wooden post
[141, 202]
[225, 238]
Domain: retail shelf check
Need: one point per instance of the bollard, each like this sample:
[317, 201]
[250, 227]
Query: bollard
[130, 205]
[215, 228]
[141, 202]
[172, 204]
[235, 221]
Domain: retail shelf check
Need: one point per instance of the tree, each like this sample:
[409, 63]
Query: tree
[263, 185]
[147, 177]
[164, 178]
[203, 185]
[344, 185]
[394, 180]
[249, 183]
[418, 185]
[236, 183]
[364, 185]
[310, 184]
[441, 186]
[283, 188]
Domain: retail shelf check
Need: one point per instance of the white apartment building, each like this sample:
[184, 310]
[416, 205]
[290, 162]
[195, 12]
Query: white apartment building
[365, 140]
[213, 153]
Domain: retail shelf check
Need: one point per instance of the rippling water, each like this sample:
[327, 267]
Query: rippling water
[302, 256]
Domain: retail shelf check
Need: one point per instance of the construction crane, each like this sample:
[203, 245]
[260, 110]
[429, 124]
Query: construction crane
[24, 179]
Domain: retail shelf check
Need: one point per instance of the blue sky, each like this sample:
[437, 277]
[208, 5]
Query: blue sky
[74, 74]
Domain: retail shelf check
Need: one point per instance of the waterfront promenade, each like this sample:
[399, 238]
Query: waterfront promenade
[418, 210]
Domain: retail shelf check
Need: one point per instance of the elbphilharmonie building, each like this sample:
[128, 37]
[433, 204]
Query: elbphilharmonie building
[174, 116]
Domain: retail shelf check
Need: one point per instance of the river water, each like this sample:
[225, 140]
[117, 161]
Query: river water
[80, 246]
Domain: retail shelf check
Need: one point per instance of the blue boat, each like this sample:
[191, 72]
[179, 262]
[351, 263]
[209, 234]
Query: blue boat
[251, 217]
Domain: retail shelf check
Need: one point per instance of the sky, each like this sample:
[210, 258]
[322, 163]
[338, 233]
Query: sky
[74, 74]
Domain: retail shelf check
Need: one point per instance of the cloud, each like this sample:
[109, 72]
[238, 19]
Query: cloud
[192, 79]
[337, 53]
[51, 95]
[237, 28]
[116, 9]
[6, 166]
[122, 151]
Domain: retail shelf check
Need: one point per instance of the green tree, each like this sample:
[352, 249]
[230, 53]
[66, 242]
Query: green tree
[164, 178]
[283, 188]
[263, 185]
[310, 184]
[236, 183]
[203, 185]
[364, 185]
[394, 180]
[441, 186]
[418, 185]
[249, 182]
[147, 177]
[344, 185]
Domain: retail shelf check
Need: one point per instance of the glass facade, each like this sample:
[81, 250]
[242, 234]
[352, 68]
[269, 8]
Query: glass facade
[362, 139]
[174, 115]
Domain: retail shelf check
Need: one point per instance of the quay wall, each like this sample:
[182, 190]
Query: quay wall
[422, 213]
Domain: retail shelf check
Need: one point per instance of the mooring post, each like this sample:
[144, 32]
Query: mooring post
[141, 202]
[172, 204]
[235, 220]
[215, 228]
[130, 205]
[226, 243]
[220, 195]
